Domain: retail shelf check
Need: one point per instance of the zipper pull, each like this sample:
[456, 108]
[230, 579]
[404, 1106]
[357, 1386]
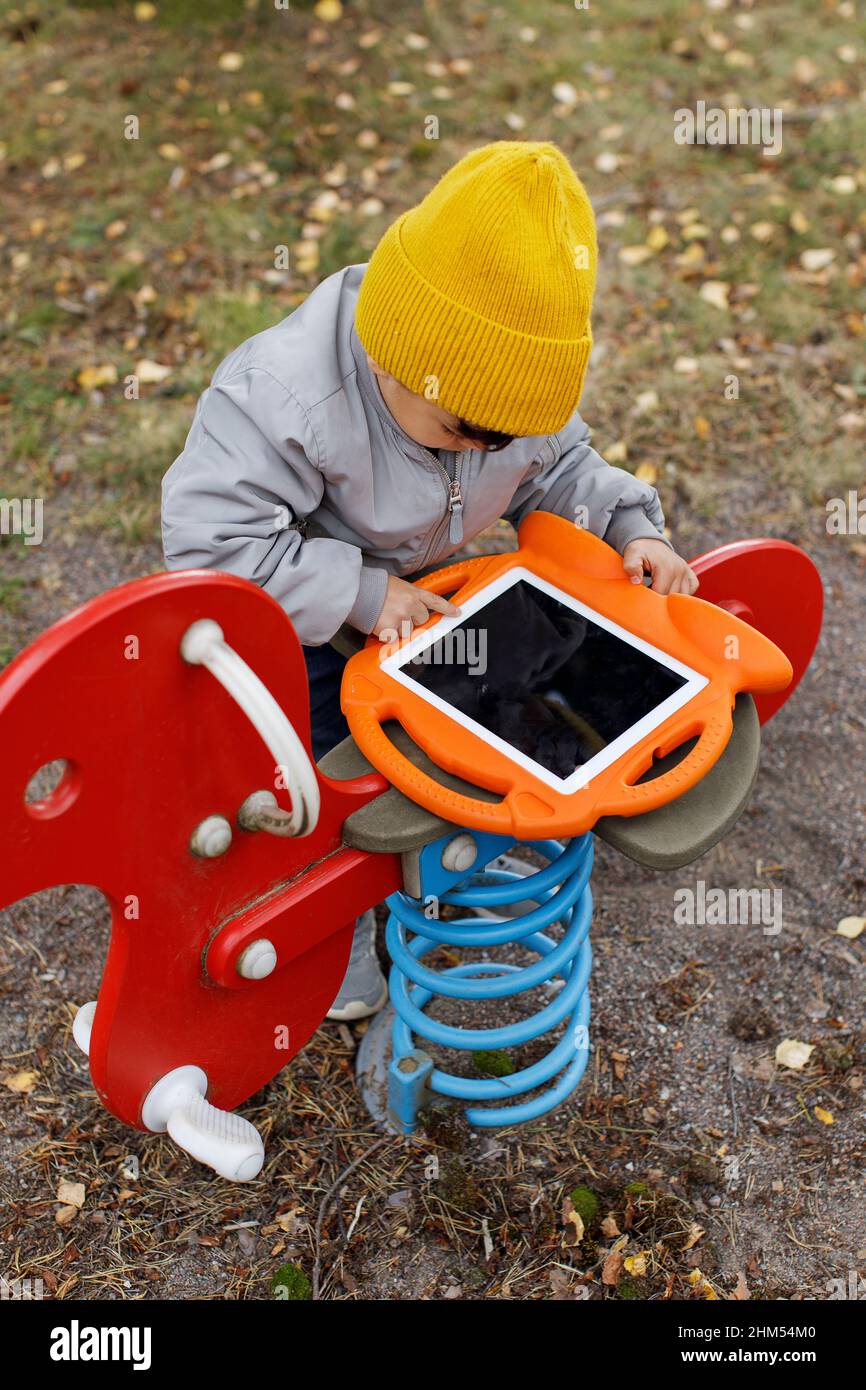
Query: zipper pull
[455, 508]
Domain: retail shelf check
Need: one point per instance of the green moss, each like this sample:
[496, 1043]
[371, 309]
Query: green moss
[585, 1203]
[629, 1288]
[638, 1189]
[838, 1057]
[455, 1186]
[446, 1126]
[702, 1172]
[493, 1063]
[290, 1282]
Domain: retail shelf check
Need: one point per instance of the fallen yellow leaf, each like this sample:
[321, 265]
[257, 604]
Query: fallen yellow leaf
[851, 927]
[793, 1054]
[634, 255]
[823, 1115]
[149, 372]
[763, 231]
[694, 1235]
[693, 255]
[573, 1221]
[91, 377]
[844, 184]
[817, 258]
[701, 1283]
[22, 1082]
[715, 292]
[72, 1194]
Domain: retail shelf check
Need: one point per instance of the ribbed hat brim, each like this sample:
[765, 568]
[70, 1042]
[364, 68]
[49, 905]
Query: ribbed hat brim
[482, 371]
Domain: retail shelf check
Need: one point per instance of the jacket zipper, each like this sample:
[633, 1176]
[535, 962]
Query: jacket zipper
[453, 517]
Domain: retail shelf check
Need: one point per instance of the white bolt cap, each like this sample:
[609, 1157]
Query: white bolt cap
[258, 960]
[82, 1025]
[211, 837]
[198, 641]
[459, 854]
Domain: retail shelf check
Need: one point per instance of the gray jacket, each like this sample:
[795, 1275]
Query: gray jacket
[296, 476]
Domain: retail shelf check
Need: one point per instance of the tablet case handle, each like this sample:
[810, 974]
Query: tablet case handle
[418, 785]
[450, 578]
[713, 725]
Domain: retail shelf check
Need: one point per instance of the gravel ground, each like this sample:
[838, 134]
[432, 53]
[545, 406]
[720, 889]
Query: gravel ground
[682, 1096]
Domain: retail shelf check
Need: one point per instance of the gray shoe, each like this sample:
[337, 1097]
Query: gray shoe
[364, 989]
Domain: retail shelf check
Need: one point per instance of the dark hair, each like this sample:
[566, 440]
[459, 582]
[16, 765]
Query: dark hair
[491, 439]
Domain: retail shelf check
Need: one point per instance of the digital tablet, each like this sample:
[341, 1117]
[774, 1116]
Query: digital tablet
[559, 688]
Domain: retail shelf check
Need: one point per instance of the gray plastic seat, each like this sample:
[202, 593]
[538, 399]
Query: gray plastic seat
[666, 838]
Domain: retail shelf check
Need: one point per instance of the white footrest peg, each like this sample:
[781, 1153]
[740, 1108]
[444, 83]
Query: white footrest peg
[223, 1140]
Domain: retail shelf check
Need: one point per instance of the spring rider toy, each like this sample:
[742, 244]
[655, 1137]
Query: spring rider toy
[563, 702]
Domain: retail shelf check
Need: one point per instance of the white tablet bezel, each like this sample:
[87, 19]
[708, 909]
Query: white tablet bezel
[583, 775]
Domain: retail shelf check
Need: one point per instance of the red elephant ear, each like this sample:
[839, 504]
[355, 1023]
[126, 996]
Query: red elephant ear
[775, 587]
[160, 757]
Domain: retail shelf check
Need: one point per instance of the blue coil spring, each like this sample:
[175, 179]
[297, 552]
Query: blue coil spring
[563, 894]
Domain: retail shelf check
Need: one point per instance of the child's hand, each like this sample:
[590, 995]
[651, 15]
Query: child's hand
[671, 574]
[407, 604]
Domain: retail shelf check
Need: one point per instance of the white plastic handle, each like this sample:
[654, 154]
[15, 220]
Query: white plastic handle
[203, 644]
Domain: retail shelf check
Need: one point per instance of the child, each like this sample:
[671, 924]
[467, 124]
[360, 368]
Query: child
[404, 407]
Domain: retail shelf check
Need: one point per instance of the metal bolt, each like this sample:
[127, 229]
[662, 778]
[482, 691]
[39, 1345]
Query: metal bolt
[459, 854]
[258, 959]
[211, 837]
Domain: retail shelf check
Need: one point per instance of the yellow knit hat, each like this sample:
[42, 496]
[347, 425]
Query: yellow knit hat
[480, 297]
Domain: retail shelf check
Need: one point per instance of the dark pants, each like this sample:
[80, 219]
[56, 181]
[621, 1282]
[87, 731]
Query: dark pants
[324, 673]
[327, 721]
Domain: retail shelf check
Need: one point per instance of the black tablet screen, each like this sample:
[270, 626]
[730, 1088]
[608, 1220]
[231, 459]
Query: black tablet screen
[548, 681]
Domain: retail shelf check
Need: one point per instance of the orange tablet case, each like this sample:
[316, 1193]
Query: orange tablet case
[732, 656]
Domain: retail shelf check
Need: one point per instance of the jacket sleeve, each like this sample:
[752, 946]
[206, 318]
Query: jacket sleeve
[249, 473]
[578, 484]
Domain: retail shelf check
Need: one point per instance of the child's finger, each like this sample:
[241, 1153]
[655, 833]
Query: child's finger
[437, 604]
[660, 578]
[634, 568]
